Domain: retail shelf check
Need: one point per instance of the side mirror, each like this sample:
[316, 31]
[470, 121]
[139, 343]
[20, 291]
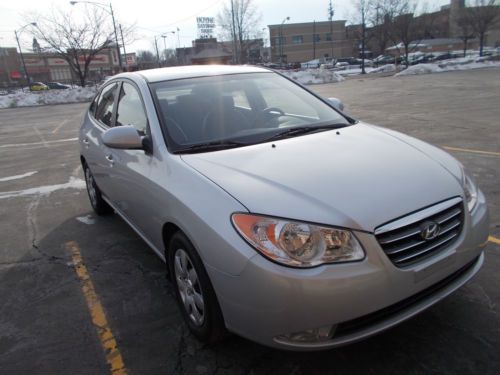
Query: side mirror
[123, 137]
[336, 103]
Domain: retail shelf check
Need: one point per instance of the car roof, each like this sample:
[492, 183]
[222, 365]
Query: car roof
[192, 71]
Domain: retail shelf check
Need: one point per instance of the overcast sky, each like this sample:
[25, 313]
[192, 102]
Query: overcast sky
[156, 17]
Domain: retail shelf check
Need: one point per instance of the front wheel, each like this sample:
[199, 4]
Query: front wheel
[194, 292]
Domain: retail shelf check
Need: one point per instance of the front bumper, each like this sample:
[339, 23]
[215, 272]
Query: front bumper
[267, 300]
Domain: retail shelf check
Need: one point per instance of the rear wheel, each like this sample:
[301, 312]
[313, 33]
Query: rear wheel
[98, 204]
[194, 292]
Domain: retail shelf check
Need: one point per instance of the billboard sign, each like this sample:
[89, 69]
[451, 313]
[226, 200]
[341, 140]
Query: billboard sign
[206, 26]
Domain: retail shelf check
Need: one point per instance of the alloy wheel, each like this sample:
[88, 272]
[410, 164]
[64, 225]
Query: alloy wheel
[189, 287]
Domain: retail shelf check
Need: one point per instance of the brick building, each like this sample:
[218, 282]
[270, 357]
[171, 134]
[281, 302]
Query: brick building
[300, 42]
[46, 67]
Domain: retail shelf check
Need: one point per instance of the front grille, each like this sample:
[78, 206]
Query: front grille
[403, 242]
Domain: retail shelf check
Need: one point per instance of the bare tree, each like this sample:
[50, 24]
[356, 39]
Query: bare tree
[363, 8]
[465, 27]
[145, 56]
[482, 16]
[407, 30]
[238, 19]
[380, 21]
[77, 40]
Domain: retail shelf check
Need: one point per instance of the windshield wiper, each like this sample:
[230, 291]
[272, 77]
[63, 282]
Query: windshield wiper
[210, 146]
[300, 130]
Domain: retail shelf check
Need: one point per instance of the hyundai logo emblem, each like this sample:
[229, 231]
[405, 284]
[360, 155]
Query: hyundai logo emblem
[430, 230]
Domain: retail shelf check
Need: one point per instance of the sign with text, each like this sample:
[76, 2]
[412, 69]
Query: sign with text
[206, 26]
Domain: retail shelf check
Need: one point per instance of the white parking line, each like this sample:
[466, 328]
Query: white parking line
[73, 183]
[12, 145]
[17, 176]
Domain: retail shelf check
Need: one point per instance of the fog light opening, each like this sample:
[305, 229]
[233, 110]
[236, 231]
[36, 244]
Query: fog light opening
[313, 335]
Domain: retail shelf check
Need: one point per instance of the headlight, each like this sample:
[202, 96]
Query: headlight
[470, 191]
[297, 244]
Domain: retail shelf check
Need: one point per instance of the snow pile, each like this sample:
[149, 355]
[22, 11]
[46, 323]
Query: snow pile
[420, 69]
[23, 99]
[311, 76]
[384, 69]
[353, 71]
[466, 63]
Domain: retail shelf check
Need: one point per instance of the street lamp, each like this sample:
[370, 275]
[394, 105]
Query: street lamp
[164, 36]
[281, 40]
[110, 11]
[17, 32]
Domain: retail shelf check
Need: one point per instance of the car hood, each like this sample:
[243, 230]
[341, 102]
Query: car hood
[359, 177]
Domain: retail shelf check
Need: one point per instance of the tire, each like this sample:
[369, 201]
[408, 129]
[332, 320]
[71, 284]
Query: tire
[98, 204]
[194, 292]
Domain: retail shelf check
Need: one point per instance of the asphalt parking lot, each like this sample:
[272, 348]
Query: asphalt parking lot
[82, 294]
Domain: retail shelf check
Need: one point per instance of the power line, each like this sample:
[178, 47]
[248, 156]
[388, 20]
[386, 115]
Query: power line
[191, 16]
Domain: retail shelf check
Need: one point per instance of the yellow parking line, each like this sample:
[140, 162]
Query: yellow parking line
[471, 151]
[494, 240]
[108, 342]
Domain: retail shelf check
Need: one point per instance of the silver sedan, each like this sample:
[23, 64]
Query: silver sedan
[280, 218]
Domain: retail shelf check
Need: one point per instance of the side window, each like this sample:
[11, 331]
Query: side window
[93, 105]
[105, 104]
[130, 110]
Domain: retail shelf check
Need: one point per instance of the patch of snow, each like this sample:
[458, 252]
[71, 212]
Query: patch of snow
[462, 63]
[73, 183]
[23, 99]
[86, 219]
[384, 69]
[311, 76]
[18, 176]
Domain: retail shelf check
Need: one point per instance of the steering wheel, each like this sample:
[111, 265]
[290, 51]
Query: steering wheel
[268, 111]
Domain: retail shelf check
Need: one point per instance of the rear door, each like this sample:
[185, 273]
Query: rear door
[100, 118]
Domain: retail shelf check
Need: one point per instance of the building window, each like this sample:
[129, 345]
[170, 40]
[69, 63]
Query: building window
[316, 37]
[297, 39]
[328, 36]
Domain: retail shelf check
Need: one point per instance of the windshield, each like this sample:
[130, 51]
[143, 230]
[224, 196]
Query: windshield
[237, 110]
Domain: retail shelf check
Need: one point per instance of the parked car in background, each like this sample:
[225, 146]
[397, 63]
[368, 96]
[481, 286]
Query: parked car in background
[383, 60]
[57, 86]
[280, 218]
[38, 86]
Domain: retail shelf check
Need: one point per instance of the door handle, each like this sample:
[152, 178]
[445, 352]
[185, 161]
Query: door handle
[86, 142]
[109, 158]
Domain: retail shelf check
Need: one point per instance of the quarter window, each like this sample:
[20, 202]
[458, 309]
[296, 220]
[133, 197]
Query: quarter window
[130, 109]
[105, 105]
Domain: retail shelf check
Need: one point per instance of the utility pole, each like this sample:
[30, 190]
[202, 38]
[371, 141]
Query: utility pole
[363, 36]
[314, 40]
[124, 51]
[281, 40]
[235, 49]
[164, 48]
[331, 12]
[157, 53]
[116, 37]
[21, 52]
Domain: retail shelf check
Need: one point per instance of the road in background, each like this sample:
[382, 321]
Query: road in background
[46, 319]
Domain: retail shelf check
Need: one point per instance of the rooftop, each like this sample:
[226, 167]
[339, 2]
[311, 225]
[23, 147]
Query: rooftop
[191, 71]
